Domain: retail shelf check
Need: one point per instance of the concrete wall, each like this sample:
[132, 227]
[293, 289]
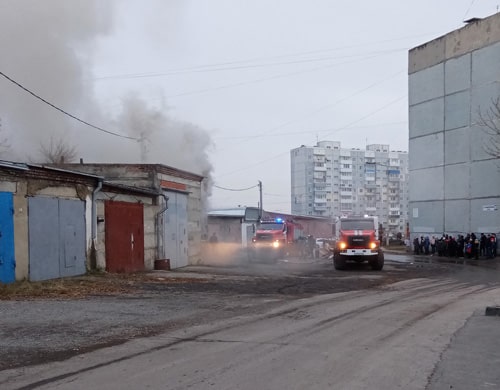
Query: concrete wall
[226, 229]
[158, 177]
[457, 43]
[451, 80]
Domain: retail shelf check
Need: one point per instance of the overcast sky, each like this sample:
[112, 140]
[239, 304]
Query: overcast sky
[247, 80]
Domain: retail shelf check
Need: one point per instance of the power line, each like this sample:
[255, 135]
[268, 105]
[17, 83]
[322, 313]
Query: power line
[307, 131]
[331, 132]
[257, 163]
[65, 112]
[235, 189]
[279, 76]
[274, 77]
[367, 115]
[323, 108]
[468, 9]
[207, 67]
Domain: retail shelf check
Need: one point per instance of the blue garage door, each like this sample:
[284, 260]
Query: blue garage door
[175, 230]
[7, 259]
[56, 238]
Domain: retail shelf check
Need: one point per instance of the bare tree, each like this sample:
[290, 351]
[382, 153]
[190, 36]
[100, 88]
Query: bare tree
[58, 151]
[489, 120]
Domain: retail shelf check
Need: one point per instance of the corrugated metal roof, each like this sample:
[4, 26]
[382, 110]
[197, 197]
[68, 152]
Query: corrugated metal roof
[54, 169]
[140, 190]
[34, 169]
[14, 165]
[236, 212]
[158, 168]
[27, 166]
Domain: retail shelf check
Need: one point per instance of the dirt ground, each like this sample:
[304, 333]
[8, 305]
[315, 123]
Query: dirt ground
[55, 320]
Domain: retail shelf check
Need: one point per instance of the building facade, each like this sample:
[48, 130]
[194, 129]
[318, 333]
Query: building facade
[177, 228]
[455, 183]
[330, 181]
[57, 223]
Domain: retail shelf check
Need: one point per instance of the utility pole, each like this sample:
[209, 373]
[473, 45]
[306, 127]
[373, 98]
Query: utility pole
[260, 199]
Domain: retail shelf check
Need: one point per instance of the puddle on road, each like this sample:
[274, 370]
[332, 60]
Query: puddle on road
[399, 258]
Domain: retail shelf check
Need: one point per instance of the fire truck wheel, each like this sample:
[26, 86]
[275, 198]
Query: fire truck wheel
[339, 263]
[378, 262]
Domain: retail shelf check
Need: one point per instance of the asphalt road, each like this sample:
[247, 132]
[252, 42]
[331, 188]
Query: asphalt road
[282, 326]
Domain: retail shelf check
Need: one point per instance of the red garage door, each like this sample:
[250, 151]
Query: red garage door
[124, 236]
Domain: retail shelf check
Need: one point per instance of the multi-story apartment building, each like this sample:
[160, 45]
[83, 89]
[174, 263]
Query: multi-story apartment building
[455, 186]
[328, 180]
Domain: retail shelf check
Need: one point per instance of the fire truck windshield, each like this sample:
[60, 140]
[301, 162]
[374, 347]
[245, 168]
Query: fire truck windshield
[358, 224]
[271, 226]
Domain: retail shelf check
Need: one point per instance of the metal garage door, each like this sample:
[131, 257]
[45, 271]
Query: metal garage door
[7, 259]
[56, 238]
[175, 229]
[124, 236]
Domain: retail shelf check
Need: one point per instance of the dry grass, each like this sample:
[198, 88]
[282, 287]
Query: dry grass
[62, 288]
[85, 286]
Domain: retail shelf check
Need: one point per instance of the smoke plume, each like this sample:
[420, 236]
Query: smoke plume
[47, 46]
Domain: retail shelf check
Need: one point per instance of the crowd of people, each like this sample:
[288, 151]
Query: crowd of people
[469, 246]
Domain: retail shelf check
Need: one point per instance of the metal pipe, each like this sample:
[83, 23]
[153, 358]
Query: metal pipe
[93, 248]
[94, 210]
[260, 200]
[159, 238]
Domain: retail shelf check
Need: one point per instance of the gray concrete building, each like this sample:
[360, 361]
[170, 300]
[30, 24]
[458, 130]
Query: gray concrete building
[455, 183]
[176, 231]
[58, 223]
[329, 181]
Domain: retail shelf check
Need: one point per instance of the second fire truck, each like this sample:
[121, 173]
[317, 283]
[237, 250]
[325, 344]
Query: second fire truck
[274, 238]
[357, 240]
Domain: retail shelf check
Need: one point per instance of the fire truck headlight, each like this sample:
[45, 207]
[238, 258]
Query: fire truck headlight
[276, 244]
[373, 245]
[342, 245]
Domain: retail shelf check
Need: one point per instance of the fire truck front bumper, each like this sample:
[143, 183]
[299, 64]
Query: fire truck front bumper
[267, 246]
[358, 252]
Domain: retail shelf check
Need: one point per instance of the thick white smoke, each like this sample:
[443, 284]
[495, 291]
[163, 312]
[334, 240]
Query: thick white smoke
[45, 47]
[162, 138]
[48, 47]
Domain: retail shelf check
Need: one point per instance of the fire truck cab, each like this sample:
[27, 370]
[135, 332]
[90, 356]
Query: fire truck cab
[357, 240]
[272, 238]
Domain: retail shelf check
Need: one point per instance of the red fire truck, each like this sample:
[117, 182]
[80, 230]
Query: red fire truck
[274, 238]
[357, 240]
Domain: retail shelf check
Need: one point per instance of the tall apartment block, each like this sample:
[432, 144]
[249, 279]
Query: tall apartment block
[330, 181]
[455, 182]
